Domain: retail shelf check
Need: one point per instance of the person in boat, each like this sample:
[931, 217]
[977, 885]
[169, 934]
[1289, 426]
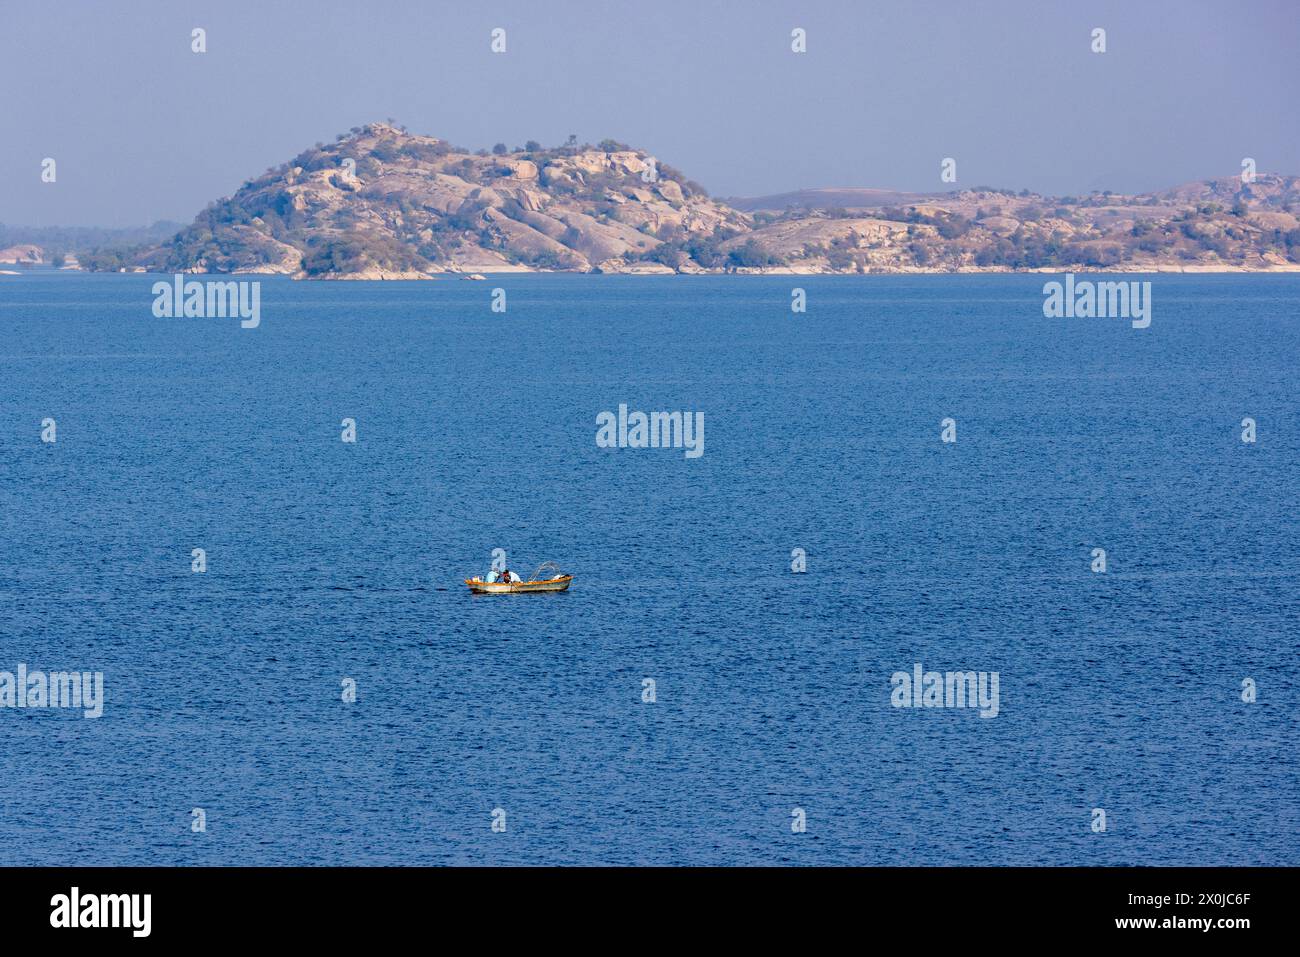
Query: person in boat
[493, 575]
[508, 576]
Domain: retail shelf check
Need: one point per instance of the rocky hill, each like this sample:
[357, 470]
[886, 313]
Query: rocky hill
[381, 203]
[1217, 225]
[22, 255]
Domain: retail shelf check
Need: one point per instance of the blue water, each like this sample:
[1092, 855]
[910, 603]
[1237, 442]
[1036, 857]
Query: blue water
[476, 431]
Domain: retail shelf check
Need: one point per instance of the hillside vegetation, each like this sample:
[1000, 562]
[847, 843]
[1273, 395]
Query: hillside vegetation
[384, 203]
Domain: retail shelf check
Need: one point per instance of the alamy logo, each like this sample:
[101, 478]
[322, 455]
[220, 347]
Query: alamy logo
[1104, 300]
[209, 300]
[952, 689]
[57, 689]
[654, 430]
[103, 910]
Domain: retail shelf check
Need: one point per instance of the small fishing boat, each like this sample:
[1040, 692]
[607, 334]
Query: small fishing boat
[480, 587]
[557, 582]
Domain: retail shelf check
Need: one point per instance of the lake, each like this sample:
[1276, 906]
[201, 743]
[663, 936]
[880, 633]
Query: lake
[332, 565]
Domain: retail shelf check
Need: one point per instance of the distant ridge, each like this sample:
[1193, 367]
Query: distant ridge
[829, 197]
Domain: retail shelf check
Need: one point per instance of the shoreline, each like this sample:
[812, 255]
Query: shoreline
[480, 274]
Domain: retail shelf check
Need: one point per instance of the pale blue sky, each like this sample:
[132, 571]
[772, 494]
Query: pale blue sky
[143, 129]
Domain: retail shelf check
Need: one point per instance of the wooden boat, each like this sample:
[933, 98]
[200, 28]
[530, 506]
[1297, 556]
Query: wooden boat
[480, 587]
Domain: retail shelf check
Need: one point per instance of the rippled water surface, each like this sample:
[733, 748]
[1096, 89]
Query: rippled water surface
[476, 430]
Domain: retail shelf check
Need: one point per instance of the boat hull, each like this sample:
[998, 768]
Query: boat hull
[515, 588]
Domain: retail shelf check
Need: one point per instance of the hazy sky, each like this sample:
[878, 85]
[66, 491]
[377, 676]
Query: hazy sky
[144, 129]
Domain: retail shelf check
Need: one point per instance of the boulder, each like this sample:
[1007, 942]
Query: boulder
[670, 191]
[523, 169]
